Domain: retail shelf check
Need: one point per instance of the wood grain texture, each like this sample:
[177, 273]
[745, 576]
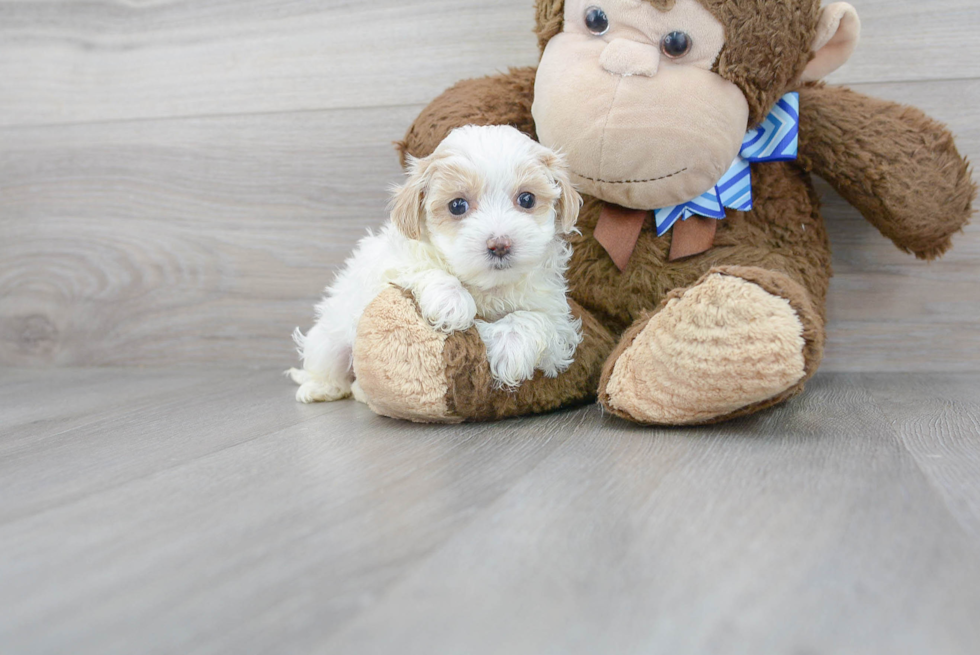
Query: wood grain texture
[937, 417]
[68, 62]
[224, 518]
[188, 240]
[121, 60]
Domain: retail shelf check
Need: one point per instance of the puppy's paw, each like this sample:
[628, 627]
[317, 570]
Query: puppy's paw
[512, 352]
[314, 390]
[560, 351]
[447, 306]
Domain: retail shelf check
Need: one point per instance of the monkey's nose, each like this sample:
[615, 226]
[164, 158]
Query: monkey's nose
[626, 57]
[499, 247]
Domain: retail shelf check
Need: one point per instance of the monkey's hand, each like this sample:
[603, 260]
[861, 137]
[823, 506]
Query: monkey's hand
[897, 166]
[496, 100]
[406, 369]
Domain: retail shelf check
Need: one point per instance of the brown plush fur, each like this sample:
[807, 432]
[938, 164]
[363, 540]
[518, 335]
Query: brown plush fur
[498, 100]
[900, 168]
[471, 392]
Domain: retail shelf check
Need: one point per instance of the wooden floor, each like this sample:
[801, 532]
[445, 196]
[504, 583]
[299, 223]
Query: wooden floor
[202, 511]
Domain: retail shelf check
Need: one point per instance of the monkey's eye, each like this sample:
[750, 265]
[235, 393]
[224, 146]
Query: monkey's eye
[458, 207]
[526, 200]
[676, 44]
[596, 21]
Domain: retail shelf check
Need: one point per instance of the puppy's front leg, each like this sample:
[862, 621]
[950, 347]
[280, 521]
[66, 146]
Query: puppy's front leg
[563, 335]
[445, 304]
[524, 341]
[514, 346]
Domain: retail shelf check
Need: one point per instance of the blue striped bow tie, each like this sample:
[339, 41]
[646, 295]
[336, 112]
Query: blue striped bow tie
[777, 139]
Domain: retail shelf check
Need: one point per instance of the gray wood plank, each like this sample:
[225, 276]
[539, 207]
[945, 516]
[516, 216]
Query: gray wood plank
[805, 530]
[64, 62]
[895, 32]
[937, 416]
[48, 463]
[52, 401]
[68, 62]
[810, 528]
[199, 240]
[302, 527]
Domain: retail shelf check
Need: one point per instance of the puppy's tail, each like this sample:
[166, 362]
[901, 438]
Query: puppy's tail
[298, 376]
[300, 340]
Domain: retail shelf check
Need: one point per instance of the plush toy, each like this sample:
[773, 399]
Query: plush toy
[692, 128]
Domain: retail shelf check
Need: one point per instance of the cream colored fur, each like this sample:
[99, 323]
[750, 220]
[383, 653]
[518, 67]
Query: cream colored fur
[725, 344]
[837, 37]
[517, 301]
[401, 346]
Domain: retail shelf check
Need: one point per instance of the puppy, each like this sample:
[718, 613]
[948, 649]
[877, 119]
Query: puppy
[477, 234]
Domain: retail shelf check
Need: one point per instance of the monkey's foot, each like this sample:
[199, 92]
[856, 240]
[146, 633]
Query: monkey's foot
[407, 370]
[739, 340]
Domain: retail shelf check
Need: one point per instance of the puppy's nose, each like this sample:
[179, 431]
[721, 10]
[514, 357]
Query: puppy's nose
[499, 246]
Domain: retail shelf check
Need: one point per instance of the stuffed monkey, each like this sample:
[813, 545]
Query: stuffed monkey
[692, 128]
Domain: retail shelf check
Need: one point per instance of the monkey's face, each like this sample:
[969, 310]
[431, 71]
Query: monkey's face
[627, 93]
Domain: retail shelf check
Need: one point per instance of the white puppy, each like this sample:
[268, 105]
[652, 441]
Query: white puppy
[477, 234]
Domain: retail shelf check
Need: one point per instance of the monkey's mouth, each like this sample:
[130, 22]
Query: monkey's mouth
[652, 179]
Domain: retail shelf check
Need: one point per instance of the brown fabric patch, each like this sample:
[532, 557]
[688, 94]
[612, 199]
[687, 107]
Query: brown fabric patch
[503, 99]
[617, 230]
[471, 391]
[898, 167]
[767, 47]
[692, 237]
[783, 233]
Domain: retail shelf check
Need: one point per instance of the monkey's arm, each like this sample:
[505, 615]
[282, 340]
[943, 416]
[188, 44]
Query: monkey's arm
[497, 100]
[897, 166]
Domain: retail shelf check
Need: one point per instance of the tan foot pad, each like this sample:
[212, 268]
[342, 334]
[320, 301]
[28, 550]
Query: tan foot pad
[399, 363]
[723, 345]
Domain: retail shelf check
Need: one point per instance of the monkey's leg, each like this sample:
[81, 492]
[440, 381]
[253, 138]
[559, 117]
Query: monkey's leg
[407, 370]
[739, 340]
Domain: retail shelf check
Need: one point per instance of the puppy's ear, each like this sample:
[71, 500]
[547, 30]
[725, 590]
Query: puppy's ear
[406, 207]
[569, 202]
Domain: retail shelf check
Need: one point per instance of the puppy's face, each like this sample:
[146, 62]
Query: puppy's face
[491, 200]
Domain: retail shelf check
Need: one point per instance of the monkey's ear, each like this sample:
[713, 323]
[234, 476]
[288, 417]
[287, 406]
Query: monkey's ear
[569, 202]
[837, 36]
[406, 202]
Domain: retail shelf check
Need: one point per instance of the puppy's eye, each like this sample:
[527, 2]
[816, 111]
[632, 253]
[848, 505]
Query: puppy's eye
[596, 21]
[526, 200]
[676, 44]
[458, 207]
